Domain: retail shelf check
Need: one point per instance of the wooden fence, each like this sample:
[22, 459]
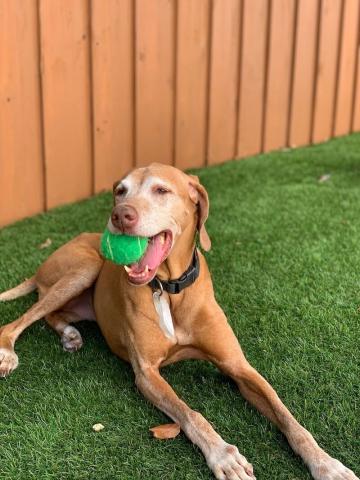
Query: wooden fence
[90, 88]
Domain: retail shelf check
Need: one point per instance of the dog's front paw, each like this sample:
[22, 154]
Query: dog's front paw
[228, 464]
[8, 361]
[331, 469]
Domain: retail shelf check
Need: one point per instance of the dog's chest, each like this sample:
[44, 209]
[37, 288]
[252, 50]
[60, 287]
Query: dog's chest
[165, 317]
[182, 323]
[170, 321]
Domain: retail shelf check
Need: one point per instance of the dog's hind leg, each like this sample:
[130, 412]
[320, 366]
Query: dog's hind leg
[61, 281]
[63, 291]
[79, 308]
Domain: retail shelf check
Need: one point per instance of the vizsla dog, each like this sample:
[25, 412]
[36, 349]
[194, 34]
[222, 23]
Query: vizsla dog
[131, 304]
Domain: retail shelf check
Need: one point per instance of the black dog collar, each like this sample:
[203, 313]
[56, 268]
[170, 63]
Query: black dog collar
[186, 279]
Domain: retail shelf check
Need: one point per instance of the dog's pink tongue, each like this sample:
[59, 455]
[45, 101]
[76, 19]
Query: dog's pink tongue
[153, 255]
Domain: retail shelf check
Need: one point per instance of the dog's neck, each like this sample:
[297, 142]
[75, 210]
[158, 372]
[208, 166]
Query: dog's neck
[180, 257]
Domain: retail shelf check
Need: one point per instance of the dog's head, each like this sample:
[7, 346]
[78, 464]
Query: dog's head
[159, 202]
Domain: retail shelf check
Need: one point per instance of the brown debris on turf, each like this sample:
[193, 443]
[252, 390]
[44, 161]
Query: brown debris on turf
[45, 244]
[167, 431]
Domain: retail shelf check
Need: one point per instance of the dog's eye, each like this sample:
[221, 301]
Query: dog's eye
[120, 191]
[161, 190]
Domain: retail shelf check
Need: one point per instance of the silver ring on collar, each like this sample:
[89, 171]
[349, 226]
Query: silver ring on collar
[161, 288]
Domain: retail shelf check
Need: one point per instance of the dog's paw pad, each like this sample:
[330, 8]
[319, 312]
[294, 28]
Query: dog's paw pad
[71, 339]
[228, 464]
[332, 469]
[8, 361]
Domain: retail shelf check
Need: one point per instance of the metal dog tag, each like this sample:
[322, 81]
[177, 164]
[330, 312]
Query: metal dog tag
[163, 310]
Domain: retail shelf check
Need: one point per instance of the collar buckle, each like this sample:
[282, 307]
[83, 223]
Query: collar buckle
[160, 288]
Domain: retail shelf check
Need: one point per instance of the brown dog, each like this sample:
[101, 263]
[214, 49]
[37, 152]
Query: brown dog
[169, 207]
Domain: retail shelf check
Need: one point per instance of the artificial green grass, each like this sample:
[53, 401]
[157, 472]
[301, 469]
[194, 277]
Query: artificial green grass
[286, 269]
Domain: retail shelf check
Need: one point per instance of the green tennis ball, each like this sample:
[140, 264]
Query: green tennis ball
[122, 249]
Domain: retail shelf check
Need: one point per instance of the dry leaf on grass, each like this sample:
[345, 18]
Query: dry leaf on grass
[169, 430]
[98, 427]
[324, 178]
[45, 244]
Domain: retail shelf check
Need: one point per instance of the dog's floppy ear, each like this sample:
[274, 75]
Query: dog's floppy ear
[115, 184]
[199, 196]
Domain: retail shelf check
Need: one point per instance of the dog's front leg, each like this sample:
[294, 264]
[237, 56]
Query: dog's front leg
[223, 459]
[218, 342]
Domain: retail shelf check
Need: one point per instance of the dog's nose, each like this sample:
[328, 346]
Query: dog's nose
[124, 217]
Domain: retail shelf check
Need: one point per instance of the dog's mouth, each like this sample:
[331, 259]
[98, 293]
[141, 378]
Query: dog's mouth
[158, 249]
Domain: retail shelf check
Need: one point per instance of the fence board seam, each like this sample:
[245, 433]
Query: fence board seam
[41, 106]
[356, 73]
[292, 72]
[339, 52]
[316, 69]
[208, 82]
[91, 94]
[239, 77]
[175, 69]
[134, 89]
[266, 74]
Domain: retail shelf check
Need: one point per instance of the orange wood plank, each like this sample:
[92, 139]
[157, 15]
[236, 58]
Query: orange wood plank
[67, 110]
[191, 82]
[224, 80]
[326, 70]
[304, 68]
[252, 77]
[113, 90]
[279, 74]
[155, 22]
[356, 112]
[347, 67]
[21, 166]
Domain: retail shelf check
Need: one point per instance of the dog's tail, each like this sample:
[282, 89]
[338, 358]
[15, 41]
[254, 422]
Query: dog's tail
[24, 288]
